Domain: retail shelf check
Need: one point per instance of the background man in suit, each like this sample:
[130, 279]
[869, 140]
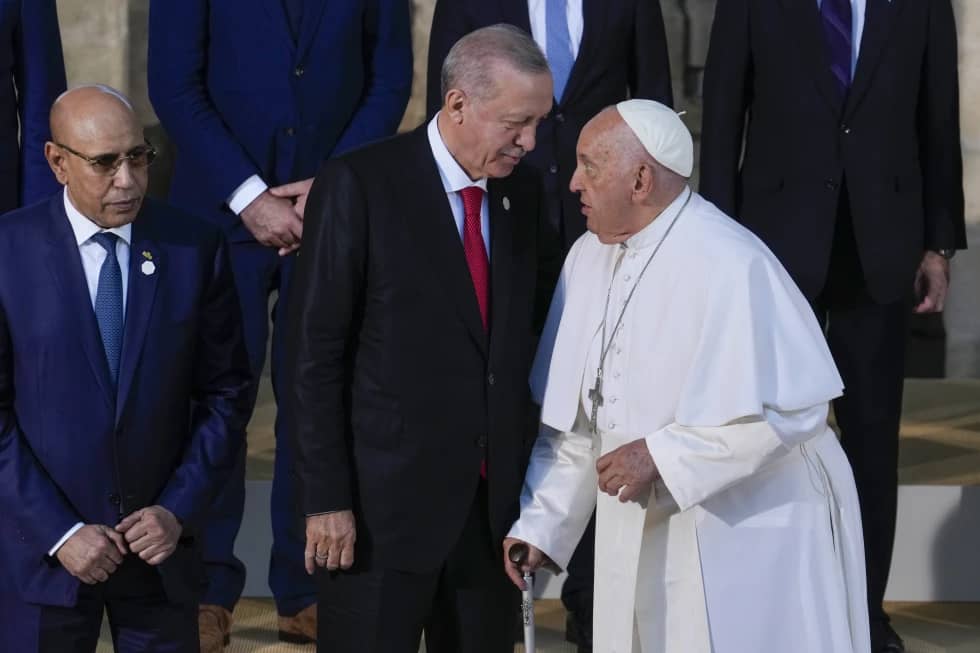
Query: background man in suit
[262, 100]
[33, 76]
[410, 341]
[600, 53]
[123, 392]
[852, 175]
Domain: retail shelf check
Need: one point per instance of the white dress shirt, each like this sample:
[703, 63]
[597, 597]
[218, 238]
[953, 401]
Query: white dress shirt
[93, 255]
[858, 10]
[455, 179]
[576, 23]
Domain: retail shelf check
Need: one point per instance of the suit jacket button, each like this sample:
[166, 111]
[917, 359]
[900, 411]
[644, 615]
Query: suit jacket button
[553, 169]
[481, 441]
[831, 184]
[299, 71]
[290, 131]
[560, 117]
[491, 379]
[114, 499]
[845, 129]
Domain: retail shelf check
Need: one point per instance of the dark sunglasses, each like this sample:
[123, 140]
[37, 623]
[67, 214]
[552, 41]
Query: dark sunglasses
[108, 164]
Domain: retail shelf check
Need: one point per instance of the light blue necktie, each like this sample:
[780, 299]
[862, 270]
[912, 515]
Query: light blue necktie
[109, 303]
[559, 45]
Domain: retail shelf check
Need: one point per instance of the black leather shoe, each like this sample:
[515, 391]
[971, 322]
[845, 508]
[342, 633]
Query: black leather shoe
[889, 642]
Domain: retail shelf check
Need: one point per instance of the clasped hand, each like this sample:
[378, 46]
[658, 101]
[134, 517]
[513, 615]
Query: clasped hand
[628, 471]
[95, 551]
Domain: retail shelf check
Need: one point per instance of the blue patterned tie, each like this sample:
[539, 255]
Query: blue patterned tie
[109, 303]
[559, 45]
[836, 20]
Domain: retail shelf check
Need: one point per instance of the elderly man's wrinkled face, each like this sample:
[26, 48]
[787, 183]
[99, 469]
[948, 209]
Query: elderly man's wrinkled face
[90, 130]
[495, 133]
[604, 181]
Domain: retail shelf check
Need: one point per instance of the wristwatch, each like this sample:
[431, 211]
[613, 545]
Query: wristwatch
[946, 253]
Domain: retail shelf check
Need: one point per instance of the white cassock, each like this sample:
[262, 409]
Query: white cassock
[751, 541]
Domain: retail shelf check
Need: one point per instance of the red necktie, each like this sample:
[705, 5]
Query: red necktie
[475, 249]
[476, 259]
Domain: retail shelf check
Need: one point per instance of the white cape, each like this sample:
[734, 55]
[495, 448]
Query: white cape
[751, 541]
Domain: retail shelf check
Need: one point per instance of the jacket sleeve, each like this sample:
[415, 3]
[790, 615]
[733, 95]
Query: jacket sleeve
[727, 79]
[449, 24]
[39, 73]
[176, 74]
[220, 399]
[325, 302]
[939, 134]
[388, 75]
[38, 507]
[650, 63]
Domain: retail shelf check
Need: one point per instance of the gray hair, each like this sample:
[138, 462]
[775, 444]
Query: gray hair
[469, 64]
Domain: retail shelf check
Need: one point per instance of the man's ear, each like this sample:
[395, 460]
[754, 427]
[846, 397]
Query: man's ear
[455, 105]
[58, 162]
[643, 182]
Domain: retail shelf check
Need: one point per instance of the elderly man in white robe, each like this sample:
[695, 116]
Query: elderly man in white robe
[684, 385]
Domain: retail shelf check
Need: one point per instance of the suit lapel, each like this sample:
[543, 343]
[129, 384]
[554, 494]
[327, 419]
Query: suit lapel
[438, 237]
[878, 23]
[594, 17]
[501, 205]
[139, 302]
[65, 264]
[310, 25]
[279, 21]
[804, 16]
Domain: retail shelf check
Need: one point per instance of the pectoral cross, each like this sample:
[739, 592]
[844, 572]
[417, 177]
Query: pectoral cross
[595, 394]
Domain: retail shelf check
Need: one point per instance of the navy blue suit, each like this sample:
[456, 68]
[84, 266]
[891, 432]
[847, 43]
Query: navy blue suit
[30, 59]
[241, 95]
[73, 449]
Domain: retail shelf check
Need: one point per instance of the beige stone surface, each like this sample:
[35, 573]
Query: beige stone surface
[968, 27]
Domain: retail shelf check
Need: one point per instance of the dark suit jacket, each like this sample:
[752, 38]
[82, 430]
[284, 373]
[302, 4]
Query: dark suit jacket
[72, 450]
[30, 60]
[240, 96]
[894, 142]
[396, 391]
[623, 54]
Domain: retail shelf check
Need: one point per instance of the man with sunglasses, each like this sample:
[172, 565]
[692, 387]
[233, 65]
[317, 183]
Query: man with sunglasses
[123, 394]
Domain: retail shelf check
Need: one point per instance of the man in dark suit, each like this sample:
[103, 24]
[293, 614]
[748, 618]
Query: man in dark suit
[33, 76]
[123, 393]
[411, 337]
[852, 175]
[600, 53]
[257, 93]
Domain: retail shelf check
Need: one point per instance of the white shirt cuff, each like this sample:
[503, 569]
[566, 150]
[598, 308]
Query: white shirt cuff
[64, 538]
[246, 194]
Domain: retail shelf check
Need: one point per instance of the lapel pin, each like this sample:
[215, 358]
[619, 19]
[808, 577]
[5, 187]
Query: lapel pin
[148, 267]
[147, 255]
[506, 204]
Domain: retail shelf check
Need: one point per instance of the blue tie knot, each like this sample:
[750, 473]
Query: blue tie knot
[107, 240]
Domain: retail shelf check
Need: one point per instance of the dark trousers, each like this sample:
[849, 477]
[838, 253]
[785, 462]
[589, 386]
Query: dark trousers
[578, 589]
[259, 271]
[867, 340]
[466, 606]
[140, 616]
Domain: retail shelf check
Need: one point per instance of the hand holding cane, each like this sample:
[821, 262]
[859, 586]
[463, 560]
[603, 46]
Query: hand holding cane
[518, 554]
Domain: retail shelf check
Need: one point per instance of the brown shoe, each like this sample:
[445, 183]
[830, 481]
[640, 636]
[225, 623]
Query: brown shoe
[300, 628]
[214, 625]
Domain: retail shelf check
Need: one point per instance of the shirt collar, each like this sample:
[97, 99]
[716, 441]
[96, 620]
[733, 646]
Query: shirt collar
[653, 232]
[84, 228]
[454, 178]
